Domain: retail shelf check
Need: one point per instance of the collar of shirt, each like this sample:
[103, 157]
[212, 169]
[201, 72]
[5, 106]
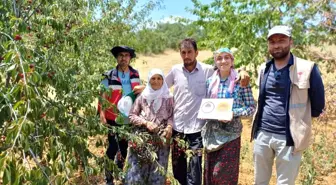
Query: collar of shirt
[290, 62]
[224, 81]
[197, 67]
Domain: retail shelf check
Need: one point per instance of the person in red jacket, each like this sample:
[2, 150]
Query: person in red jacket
[121, 81]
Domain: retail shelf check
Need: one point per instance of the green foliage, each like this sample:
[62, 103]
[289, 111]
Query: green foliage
[165, 35]
[244, 25]
[52, 54]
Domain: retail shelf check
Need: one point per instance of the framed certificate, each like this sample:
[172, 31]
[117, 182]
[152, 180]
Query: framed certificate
[220, 109]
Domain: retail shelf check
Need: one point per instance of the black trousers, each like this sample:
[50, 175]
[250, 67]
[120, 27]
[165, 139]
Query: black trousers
[115, 144]
[188, 174]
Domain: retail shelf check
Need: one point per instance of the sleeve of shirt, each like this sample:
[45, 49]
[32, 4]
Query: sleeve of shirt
[105, 83]
[170, 78]
[316, 92]
[248, 107]
[135, 112]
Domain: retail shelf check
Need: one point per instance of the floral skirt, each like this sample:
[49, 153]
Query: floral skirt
[149, 173]
[222, 166]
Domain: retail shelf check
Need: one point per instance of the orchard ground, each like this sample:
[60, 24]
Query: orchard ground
[319, 162]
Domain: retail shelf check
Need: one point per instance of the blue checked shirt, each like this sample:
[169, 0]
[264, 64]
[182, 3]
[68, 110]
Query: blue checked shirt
[243, 103]
[215, 133]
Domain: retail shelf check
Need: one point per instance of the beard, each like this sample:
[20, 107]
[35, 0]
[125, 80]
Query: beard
[279, 54]
[188, 63]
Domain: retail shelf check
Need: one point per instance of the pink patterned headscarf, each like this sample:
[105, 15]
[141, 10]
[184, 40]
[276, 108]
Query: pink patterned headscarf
[215, 78]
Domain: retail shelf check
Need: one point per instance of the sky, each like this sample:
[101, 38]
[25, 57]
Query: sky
[175, 8]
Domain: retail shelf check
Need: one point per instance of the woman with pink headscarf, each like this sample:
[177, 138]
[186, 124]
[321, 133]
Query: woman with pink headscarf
[221, 139]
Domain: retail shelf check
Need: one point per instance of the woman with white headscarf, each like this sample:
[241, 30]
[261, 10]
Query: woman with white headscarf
[221, 139]
[152, 115]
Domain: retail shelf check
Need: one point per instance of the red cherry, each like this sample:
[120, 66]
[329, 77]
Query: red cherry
[31, 66]
[3, 138]
[17, 37]
[43, 115]
[21, 75]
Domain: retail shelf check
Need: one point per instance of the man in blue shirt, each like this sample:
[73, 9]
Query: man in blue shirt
[291, 91]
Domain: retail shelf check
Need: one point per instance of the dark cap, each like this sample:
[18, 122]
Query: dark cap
[117, 49]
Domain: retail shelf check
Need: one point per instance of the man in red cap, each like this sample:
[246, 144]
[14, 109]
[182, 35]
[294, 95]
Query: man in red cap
[121, 81]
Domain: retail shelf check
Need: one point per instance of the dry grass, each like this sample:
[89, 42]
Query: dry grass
[327, 51]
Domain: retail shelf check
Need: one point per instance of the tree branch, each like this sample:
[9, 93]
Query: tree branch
[39, 165]
[21, 124]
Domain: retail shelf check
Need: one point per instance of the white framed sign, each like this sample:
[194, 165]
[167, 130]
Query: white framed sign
[220, 109]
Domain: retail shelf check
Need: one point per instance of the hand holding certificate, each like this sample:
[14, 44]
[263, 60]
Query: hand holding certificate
[219, 109]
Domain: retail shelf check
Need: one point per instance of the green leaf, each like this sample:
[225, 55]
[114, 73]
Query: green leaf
[12, 67]
[6, 176]
[17, 104]
[2, 158]
[36, 77]
[8, 56]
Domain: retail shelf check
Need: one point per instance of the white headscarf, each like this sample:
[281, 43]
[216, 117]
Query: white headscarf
[155, 96]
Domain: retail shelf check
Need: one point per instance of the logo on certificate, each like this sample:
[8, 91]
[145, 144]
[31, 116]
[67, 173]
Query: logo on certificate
[220, 109]
[223, 106]
[208, 107]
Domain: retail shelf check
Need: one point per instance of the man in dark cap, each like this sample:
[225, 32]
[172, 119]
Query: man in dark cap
[122, 81]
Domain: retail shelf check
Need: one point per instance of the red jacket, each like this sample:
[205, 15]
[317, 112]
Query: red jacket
[116, 94]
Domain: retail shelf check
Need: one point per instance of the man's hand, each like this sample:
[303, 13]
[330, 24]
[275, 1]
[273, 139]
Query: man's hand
[138, 89]
[152, 127]
[244, 78]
